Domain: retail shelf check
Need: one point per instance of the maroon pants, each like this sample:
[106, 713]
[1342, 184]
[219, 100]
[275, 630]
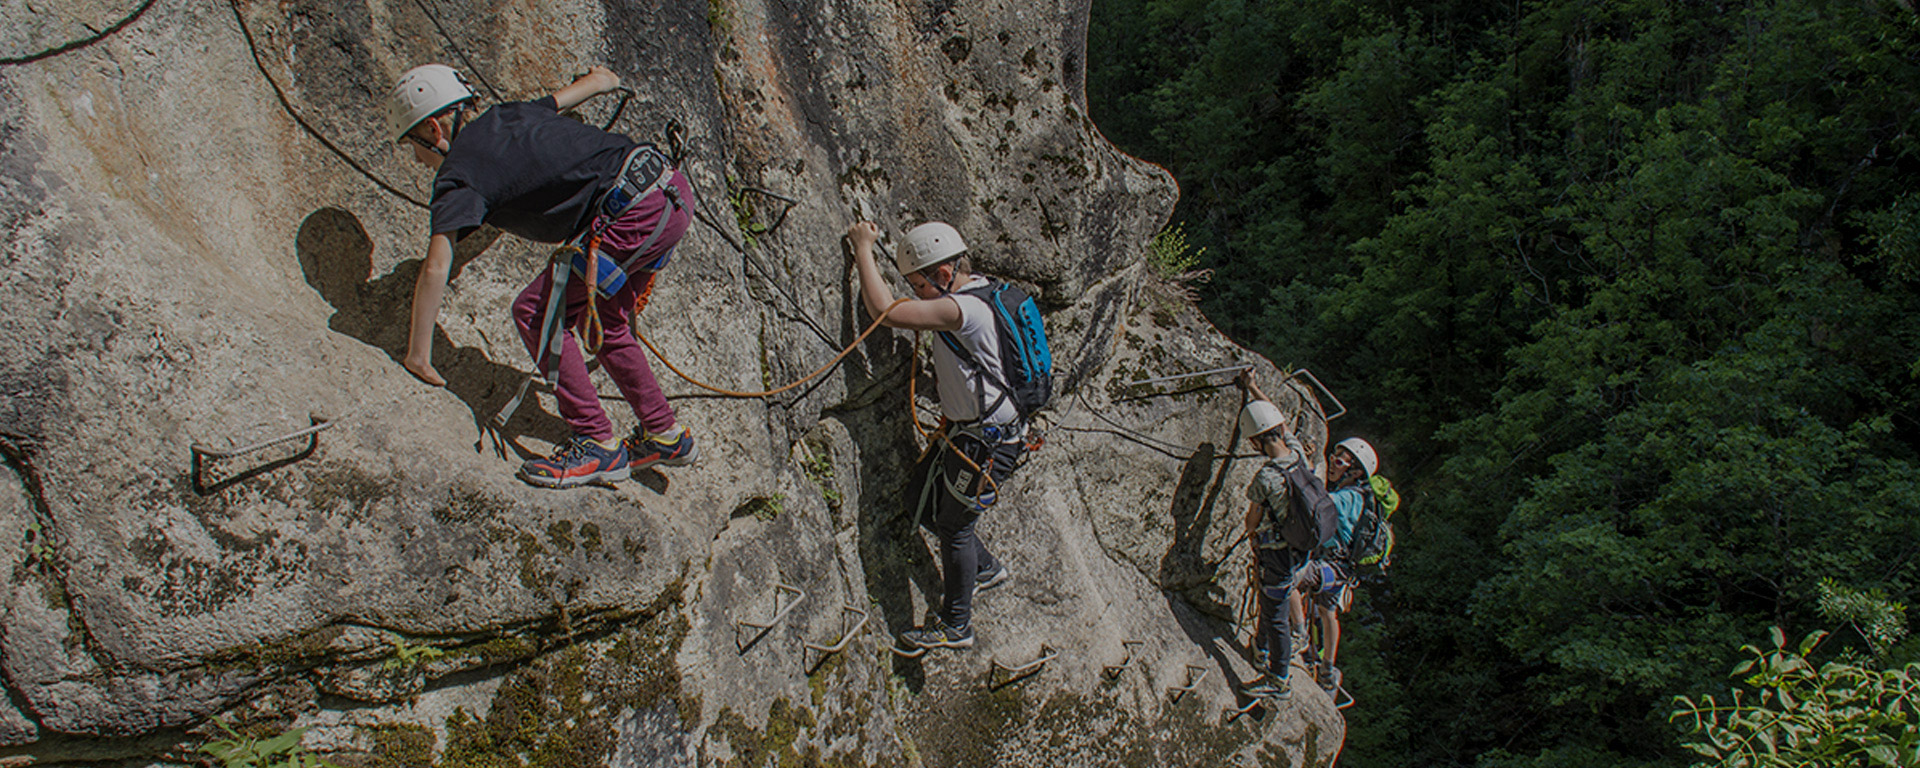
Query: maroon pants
[621, 356]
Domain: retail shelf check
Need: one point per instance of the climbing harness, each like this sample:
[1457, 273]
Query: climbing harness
[645, 171]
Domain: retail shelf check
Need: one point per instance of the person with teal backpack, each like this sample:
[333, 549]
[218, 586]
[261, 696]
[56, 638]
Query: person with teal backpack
[992, 371]
[1364, 539]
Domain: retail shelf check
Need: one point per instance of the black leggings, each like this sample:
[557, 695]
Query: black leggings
[958, 495]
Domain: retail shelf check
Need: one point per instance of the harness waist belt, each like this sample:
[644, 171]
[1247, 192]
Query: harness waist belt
[645, 169]
[991, 434]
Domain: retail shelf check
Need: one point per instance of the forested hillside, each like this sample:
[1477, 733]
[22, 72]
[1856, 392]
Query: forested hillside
[1624, 291]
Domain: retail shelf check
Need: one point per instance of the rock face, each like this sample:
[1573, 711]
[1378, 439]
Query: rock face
[193, 260]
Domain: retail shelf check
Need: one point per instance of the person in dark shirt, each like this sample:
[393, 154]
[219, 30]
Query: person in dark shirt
[528, 170]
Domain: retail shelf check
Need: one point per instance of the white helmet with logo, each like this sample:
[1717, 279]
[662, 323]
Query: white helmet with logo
[423, 92]
[933, 242]
[1362, 452]
[1260, 417]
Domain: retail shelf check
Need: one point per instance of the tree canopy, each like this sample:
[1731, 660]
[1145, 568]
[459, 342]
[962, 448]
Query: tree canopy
[1623, 291]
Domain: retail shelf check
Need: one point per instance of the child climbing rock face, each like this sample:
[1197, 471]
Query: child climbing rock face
[980, 436]
[528, 170]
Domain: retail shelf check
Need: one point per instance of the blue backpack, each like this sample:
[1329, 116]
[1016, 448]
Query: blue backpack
[1024, 358]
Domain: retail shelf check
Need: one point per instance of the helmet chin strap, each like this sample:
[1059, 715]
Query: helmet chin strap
[459, 121]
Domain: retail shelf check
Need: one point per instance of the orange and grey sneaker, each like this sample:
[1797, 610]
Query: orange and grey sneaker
[673, 448]
[579, 461]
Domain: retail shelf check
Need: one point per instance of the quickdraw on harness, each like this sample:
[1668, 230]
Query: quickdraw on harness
[645, 171]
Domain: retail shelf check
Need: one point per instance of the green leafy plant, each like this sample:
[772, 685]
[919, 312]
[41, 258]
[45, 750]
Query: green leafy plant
[407, 656]
[1800, 714]
[1880, 620]
[767, 508]
[1175, 264]
[745, 213]
[239, 750]
[819, 468]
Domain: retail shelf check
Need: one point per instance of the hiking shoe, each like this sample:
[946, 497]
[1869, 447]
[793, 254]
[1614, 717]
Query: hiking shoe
[939, 635]
[1301, 645]
[1270, 689]
[1329, 678]
[989, 580]
[647, 450]
[579, 461]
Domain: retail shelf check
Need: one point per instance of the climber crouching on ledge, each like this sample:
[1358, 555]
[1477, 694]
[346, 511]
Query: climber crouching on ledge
[982, 421]
[525, 168]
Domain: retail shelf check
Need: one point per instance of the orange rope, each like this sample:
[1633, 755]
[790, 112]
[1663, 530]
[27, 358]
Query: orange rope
[771, 392]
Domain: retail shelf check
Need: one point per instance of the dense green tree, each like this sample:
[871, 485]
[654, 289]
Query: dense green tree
[1624, 290]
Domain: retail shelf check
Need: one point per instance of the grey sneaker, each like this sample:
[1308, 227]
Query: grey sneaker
[1270, 689]
[939, 635]
[1329, 678]
[995, 578]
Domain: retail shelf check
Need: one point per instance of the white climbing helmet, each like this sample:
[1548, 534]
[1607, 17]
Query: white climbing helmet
[1361, 451]
[423, 92]
[933, 242]
[1260, 417]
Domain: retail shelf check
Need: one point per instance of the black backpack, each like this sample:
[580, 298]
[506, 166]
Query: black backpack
[1311, 521]
[1024, 357]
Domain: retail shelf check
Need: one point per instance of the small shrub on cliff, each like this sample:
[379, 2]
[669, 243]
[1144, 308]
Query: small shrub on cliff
[1174, 263]
[239, 750]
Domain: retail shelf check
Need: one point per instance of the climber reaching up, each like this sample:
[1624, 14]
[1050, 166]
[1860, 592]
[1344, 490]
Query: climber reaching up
[527, 169]
[1289, 518]
[992, 371]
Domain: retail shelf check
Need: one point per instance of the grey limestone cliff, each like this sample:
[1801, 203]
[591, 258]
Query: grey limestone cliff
[190, 263]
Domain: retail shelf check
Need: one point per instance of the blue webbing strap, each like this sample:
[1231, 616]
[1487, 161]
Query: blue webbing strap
[547, 352]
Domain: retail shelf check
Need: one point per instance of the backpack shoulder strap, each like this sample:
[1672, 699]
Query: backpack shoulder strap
[984, 293]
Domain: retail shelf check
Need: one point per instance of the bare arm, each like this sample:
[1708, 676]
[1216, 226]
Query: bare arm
[596, 81]
[941, 314]
[1246, 380]
[428, 289]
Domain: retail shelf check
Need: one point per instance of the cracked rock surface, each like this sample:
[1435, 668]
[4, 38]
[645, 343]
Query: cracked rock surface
[192, 265]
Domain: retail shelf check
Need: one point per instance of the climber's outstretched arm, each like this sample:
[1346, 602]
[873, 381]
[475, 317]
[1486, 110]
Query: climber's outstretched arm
[940, 313]
[428, 289]
[596, 81]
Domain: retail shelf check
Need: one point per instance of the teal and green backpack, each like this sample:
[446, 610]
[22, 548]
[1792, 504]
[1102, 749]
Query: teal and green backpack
[1372, 543]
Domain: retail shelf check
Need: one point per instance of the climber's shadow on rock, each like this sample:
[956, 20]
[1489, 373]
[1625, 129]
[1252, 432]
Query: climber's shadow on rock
[895, 555]
[337, 257]
[1185, 573]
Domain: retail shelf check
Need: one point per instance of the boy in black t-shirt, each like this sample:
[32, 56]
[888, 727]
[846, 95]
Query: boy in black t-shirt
[523, 167]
